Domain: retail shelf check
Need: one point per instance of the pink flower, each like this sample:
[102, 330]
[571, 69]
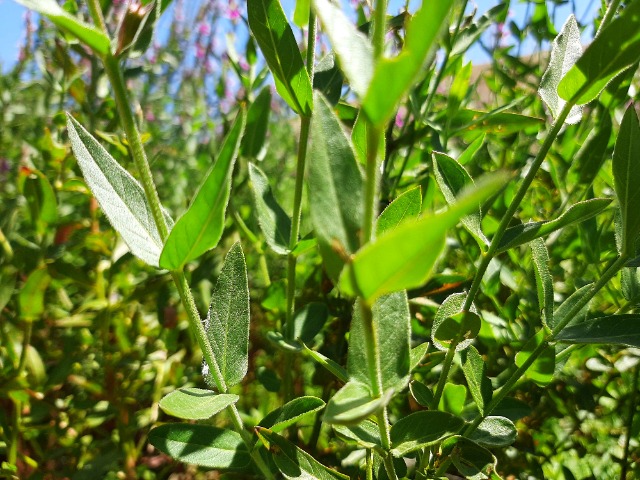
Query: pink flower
[200, 52]
[204, 29]
[233, 11]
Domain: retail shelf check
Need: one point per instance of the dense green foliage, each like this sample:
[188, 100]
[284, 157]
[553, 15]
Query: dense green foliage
[392, 264]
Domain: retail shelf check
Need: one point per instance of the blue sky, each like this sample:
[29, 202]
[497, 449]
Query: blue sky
[11, 22]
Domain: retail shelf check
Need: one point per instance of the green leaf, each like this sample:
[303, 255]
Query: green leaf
[544, 280]
[366, 433]
[291, 413]
[335, 189]
[393, 77]
[330, 365]
[227, 323]
[257, 124]
[301, 13]
[453, 398]
[328, 79]
[200, 228]
[593, 152]
[626, 175]
[403, 258]
[470, 35]
[202, 445]
[495, 432]
[560, 314]
[543, 368]
[421, 394]
[408, 205]
[526, 232]
[359, 137]
[352, 47]
[31, 297]
[422, 429]
[274, 221]
[450, 322]
[417, 354]
[513, 409]
[87, 34]
[473, 148]
[392, 320]
[472, 461]
[41, 198]
[294, 463]
[273, 33]
[121, 197]
[452, 179]
[614, 50]
[475, 371]
[609, 330]
[195, 403]
[353, 403]
[565, 51]
[496, 122]
[309, 320]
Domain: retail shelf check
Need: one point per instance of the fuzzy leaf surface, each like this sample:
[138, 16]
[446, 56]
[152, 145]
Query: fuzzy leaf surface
[406, 206]
[610, 330]
[257, 124]
[421, 429]
[475, 371]
[291, 412]
[195, 403]
[495, 432]
[544, 280]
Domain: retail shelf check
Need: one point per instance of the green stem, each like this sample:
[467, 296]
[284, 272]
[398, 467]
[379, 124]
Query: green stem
[446, 367]
[12, 454]
[550, 338]
[608, 16]
[629, 422]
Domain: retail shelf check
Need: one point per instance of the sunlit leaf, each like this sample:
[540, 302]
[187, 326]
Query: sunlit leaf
[543, 367]
[544, 280]
[195, 403]
[495, 432]
[291, 413]
[406, 206]
[475, 371]
[353, 403]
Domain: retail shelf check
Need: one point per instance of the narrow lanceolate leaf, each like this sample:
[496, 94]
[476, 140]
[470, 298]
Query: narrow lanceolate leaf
[393, 77]
[406, 206]
[353, 403]
[422, 429]
[274, 221]
[227, 323]
[294, 463]
[610, 330]
[328, 79]
[392, 319]
[561, 313]
[335, 189]
[200, 228]
[195, 403]
[121, 197]
[202, 445]
[403, 258]
[524, 233]
[452, 179]
[333, 367]
[544, 280]
[565, 51]
[257, 124]
[87, 34]
[475, 371]
[352, 47]
[273, 33]
[291, 413]
[614, 50]
[626, 175]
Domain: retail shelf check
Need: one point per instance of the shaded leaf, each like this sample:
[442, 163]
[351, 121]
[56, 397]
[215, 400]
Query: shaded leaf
[393, 77]
[202, 445]
[353, 49]
[566, 49]
[543, 367]
[614, 50]
[392, 320]
[544, 280]
[309, 320]
[495, 432]
[257, 124]
[560, 314]
[121, 197]
[365, 433]
[294, 463]
[200, 228]
[421, 429]
[475, 371]
[31, 297]
[610, 330]
[328, 79]
[274, 221]
[273, 33]
[291, 412]
[451, 307]
[472, 461]
[335, 189]
[87, 34]
[195, 403]
[626, 175]
[227, 323]
[406, 206]
[403, 258]
[421, 394]
[526, 232]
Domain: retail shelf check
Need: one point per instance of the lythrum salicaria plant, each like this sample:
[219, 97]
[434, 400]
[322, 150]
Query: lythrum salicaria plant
[417, 395]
